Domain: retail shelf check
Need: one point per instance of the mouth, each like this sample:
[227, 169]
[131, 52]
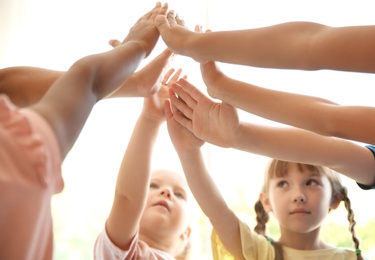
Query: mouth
[162, 203]
[300, 212]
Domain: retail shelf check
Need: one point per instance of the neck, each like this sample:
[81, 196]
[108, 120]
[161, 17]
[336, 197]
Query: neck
[303, 241]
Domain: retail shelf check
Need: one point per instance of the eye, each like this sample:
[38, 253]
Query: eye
[153, 186]
[179, 195]
[282, 184]
[312, 182]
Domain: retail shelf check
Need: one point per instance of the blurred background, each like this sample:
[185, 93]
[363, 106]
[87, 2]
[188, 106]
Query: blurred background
[55, 33]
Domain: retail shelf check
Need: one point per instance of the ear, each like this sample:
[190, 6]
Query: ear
[263, 197]
[184, 236]
[335, 202]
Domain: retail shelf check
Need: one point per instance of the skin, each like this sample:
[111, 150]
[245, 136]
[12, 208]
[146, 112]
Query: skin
[201, 184]
[93, 78]
[218, 123]
[25, 86]
[138, 194]
[294, 45]
[297, 190]
[300, 201]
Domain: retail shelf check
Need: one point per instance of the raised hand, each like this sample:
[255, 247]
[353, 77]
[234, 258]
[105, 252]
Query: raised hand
[153, 107]
[144, 31]
[146, 81]
[213, 122]
[176, 35]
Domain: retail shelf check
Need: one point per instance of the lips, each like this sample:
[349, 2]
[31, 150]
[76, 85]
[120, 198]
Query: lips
[300, 211]
[162, 203]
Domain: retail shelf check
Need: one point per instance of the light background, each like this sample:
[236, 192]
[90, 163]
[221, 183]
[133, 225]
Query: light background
[55, 33]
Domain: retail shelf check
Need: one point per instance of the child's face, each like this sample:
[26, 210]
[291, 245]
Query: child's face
[300, 200]
[167, 205]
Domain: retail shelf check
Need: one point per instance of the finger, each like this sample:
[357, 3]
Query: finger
[188, 92]
[167, 75]
[198, 28]
[175, 77]
[114, 43]
[155, 11]
[167, 109]
[180, 21]
[161, 22]
[171, 17]
[181, 106]
[181, 119]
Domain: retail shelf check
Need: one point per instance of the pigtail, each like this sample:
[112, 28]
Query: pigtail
[262, 218]
[352, 222]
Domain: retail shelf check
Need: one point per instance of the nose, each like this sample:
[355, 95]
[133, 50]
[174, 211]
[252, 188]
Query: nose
[166, 192]
[299, 196]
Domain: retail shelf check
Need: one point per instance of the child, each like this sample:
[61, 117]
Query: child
[149, 216]
[296, 45]
[299, 195]
[34, 140]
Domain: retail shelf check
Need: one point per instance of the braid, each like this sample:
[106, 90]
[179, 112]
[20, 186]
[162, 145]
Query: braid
[261, 218]
[352, 222]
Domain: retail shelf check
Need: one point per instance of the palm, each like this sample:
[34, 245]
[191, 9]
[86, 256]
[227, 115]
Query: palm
[182, 138]
[216, 123]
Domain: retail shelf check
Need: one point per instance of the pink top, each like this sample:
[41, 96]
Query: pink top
[104, 249]
[30, 173]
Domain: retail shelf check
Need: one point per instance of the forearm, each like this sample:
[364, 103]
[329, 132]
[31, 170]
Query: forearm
[134, 174]
[210, 200]
[302, 111]
[132, 185]
[291, 144]
[110, 70]
[26, 85]
[294, 45]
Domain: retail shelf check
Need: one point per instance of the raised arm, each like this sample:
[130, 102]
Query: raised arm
[25, 85]
[218, 123]
[203, 187]
[93, 78]
[307, 112]
[133, 179]
[293, 45]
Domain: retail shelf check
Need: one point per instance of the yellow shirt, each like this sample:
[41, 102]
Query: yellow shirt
[257, 247]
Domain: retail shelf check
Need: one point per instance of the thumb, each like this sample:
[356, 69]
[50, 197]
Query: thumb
[114, 43]
[161, 22]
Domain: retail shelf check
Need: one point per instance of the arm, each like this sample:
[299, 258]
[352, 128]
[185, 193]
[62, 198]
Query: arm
[203, 187]
[218, 123]
[93, 78]
[307, 112]
[293, 45]
[133, 179]
[25, 86]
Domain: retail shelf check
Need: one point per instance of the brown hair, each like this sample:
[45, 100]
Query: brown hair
[279, 168]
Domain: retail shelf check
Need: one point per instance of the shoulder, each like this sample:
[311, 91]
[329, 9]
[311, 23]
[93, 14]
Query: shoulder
[253, 245]
[105, 249]
[29, 146]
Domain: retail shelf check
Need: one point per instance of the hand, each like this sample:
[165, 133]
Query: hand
[144, 31]
[146, 81]
[153, 107]
[213, 122]
[175, 34]
[183, 140]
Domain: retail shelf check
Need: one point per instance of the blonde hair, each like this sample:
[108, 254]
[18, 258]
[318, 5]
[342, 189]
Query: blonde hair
[279, 168]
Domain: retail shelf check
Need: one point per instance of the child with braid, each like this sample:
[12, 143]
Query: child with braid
[278, 173]
[299, 195]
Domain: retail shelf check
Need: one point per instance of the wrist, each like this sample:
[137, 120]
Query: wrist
[152, 121]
